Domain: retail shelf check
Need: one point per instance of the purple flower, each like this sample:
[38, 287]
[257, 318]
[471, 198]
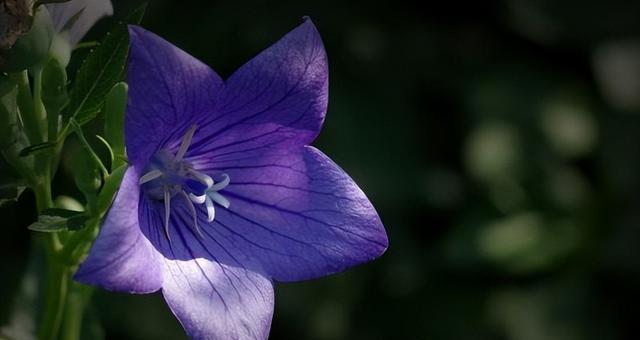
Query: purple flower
[224, 195]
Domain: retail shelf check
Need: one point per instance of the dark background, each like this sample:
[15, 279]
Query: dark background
[498, 140]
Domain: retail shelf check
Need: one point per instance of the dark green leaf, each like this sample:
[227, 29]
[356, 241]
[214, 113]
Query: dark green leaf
[77, 222]
[55, 219]
[115, 105]
[103, 68]
[36, 148]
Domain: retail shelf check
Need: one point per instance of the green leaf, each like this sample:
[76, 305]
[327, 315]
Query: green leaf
[115, 105]
[55, 219]
[103, 68]
[36, 148]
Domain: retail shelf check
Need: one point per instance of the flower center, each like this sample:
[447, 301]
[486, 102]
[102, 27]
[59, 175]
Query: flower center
[168, 176]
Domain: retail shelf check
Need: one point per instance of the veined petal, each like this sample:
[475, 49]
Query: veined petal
[215, 301]
[277, 98]
[215, 292]
[169, 91]
[122, 258]
[298, 213]
[90, 12]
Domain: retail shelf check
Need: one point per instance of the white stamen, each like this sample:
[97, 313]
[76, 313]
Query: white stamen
[221, 200]
[197, 199]
[192, 208]
[186, 142]
[203, 178]
[150, 176]
[167, 211]
[211, 210]
[222, 184]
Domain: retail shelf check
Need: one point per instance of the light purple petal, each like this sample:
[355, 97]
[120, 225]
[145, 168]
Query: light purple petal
[279, 98]
[298, 213]
[168, 91]
[92, 11]
[215, 292]
[122, 258]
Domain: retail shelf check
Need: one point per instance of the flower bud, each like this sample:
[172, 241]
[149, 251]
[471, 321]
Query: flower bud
[54, 86]
[31, 48]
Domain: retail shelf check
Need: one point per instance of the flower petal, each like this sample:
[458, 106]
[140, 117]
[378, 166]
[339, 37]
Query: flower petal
[298, 213]
[169, 91]
[214, 293]
[122, 258]
[91, 12]
[277, 98]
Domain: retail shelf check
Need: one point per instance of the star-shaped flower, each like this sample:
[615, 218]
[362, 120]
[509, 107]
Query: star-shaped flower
[223, 195]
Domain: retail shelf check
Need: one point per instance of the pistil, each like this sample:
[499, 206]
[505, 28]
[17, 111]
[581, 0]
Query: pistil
[169, 175]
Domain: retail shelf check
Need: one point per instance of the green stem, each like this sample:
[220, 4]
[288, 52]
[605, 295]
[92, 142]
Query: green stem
[27, 109]
[69, 253]
[76, 303]
[57, 273]
[40, 112]
[57, 276]
[57, 287]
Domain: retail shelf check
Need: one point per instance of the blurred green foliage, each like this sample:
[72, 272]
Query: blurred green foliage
[497, 139]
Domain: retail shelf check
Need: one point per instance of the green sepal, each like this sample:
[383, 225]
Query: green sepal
[55, 220]
[54, 86]
[87, 177]
[109, 189]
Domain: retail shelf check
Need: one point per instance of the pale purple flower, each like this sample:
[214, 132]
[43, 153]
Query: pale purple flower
[72, 20]
[76, 17]
[223, 195]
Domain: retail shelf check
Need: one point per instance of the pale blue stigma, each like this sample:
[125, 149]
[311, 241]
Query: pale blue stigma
[167, 176]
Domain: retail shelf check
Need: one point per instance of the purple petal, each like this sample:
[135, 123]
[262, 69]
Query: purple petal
[168, 91]
[92, 11]
[277, 98]
[298, 213]
[122, 258]
[214, 293]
